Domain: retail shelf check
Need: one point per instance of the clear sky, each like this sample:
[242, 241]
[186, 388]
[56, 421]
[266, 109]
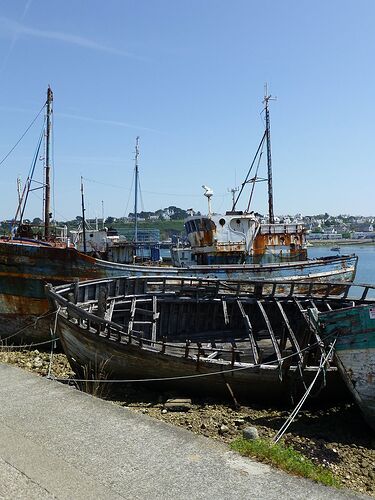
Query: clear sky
[188, 77]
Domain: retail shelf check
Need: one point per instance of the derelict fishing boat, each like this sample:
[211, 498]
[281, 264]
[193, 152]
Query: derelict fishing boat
[250, 339]
[240, 245]
[354, 330]
[30, 258]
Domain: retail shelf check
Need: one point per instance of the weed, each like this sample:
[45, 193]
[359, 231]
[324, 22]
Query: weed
[94, 373]
[285, 458]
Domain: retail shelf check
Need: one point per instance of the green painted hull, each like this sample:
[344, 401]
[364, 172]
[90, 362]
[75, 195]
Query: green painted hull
[355, 351]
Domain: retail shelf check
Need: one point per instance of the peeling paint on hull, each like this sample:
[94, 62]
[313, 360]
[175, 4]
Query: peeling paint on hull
[355, 352]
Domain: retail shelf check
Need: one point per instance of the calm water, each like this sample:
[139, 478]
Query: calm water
[366, 262]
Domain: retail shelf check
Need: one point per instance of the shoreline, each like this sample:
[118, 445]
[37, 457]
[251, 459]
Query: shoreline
[323, 243]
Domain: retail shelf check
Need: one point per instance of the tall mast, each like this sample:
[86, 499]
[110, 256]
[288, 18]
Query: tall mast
[83, 217]
[47, 185]
[267, 98]
[136, 191]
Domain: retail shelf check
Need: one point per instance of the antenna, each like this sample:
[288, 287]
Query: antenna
[267, 98]
[208, 193]
[233, 190]
[83, 216]
[19, 189]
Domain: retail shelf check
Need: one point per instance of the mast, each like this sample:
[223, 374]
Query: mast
[136, 191]
[83, 217]
[267, 98]
[47, 184]
[19, 191]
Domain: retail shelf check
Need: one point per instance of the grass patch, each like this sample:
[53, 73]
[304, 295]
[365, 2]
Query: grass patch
[285, 458]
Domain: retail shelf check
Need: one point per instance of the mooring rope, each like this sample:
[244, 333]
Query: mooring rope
[45, 315]
[26, 346]
[292, 416]
[53, 343]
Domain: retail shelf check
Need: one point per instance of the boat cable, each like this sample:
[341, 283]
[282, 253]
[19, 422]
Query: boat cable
[33, 324]
[185, 377]
[260, 147]
[22, 136]
[27, 346]
[323, 361]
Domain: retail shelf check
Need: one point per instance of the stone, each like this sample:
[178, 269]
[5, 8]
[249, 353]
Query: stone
[223, 429]
[238, 422]
[164, 411]
[250, 433]
[176, 404]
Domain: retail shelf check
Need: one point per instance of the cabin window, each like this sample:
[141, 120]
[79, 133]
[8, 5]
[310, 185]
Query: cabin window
[222, 222]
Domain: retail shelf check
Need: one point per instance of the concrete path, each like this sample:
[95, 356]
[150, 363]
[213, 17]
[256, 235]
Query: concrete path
[56, 442]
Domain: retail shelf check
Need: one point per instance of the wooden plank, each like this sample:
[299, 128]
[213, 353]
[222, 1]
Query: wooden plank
[225, 312]
[109, 312]
[270, 331]
[132, 315]
[155, 317]
[291, 334]
[249, 329]
[312, 327]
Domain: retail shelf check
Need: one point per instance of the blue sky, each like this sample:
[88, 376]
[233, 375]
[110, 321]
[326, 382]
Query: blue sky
[188, 77]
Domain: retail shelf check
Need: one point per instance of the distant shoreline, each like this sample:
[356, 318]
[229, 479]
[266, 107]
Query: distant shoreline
[343, 242]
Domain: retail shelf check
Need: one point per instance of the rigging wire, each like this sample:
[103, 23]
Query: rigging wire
[26, 190]
[117, 186]
[255, 179]
[250, 169]
[22, 136]
[140, 194]
[130, 192]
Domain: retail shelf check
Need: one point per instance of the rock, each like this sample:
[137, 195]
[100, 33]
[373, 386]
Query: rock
[223, 429]
[178, 404]
[250, 433]
[37, 362]
[164, 411]
[238, 422]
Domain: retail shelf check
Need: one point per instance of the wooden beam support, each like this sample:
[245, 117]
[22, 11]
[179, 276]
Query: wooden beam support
[270, 331]
[291, 334]
[249, 329]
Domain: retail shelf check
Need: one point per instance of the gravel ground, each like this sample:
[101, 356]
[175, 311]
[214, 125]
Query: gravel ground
[336, 437]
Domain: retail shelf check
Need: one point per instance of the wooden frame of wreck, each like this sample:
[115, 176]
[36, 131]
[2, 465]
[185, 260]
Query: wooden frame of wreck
[269, 346]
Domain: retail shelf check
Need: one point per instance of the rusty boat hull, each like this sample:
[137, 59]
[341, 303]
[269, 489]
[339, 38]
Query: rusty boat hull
[249, 339]
[25, 267]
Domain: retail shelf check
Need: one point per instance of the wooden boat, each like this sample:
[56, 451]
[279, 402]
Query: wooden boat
[29, 260]
[354, 328]
[253, 339]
